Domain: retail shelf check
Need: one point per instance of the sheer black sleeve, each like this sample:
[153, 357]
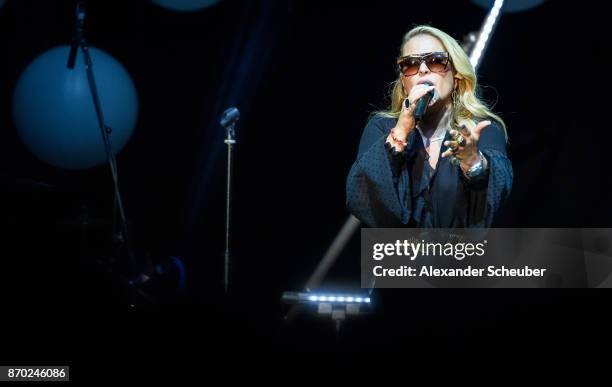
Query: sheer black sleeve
[378, 184]
[485, 197]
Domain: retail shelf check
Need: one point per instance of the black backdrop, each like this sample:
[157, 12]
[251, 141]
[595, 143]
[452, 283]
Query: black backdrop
[305, 76]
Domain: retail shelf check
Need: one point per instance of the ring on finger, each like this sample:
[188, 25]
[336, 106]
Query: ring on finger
[460, 140]
[407, 103]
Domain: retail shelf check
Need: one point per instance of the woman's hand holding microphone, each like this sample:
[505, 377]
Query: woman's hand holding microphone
[406, 123]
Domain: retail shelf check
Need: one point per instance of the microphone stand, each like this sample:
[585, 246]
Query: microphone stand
[79, 41]
[228, 121]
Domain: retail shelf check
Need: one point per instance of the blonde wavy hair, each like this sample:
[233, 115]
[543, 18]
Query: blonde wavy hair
[467, 107]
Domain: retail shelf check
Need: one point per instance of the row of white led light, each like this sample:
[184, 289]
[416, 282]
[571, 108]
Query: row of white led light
[339, 299]
[484, 34]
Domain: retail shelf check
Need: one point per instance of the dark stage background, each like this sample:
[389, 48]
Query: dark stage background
[305, 76]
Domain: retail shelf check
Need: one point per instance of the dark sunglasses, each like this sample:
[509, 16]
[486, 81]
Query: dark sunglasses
[436, 62]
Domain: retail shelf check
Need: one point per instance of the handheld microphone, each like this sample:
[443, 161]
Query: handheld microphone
[423, 103]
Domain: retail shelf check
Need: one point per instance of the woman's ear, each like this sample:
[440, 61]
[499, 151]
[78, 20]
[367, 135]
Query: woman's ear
[456, 79]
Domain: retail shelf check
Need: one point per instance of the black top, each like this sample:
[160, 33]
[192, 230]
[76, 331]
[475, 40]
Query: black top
[389, 189]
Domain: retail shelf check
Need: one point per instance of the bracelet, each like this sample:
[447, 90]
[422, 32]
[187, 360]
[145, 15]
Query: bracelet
[395, 154]
[396, 140]
[478, 169]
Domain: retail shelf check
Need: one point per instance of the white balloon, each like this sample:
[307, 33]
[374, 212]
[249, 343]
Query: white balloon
[185, 5]
[54, 113]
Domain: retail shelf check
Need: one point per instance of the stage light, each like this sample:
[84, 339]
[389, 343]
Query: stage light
[337, 306]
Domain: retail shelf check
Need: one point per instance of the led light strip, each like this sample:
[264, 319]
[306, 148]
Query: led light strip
[485, 33]
[340, 299]
[307, 298]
